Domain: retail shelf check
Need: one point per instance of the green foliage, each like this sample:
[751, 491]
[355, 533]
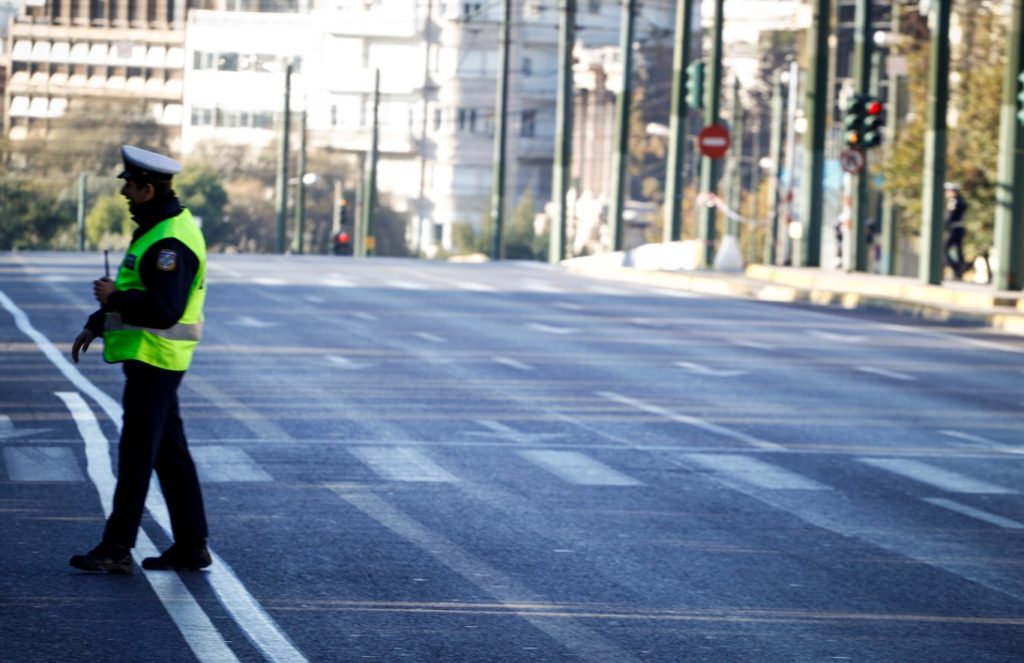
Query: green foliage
[522, 242]
[31, 213]
[109, 225]
[200, 189]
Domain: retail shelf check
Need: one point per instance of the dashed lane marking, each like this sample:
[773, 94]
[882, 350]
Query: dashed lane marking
[402, 464]
[937, 477]
[577, 468]
[729, 467]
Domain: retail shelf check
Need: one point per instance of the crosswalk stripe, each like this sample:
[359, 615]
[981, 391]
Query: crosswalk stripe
[578, 468]
[947, 480]
[403, 464]
[220, 464]
[753, 471]
[41, 464]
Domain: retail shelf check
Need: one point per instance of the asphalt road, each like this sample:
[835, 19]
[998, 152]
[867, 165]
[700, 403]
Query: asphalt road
[417, 461]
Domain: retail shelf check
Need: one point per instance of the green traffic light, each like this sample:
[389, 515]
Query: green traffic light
[695, 84]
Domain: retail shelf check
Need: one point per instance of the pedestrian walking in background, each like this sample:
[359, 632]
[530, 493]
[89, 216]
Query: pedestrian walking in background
[956, 208]
[151, 319]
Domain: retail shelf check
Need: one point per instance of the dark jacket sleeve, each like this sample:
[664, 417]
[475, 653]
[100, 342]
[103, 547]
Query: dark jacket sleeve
[95, 322]
[167, 269]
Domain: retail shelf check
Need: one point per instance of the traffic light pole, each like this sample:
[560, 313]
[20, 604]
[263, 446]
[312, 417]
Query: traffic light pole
[369, 243]
[862, 82]
[712, 108]
[771, 240]
[677, 124]
[563, 135]
[500, 135]
[1009, 235]
[811, 185]
[932, 208]
[282, 159]
[298, 244]
[620, 157]
[889, 211]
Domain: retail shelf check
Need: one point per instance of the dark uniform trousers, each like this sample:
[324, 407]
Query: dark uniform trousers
[153, 438]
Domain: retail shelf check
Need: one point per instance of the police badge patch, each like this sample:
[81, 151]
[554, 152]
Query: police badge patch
[167, 260]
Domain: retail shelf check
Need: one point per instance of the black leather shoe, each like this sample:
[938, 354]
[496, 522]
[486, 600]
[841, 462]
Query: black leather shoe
[104, 558]
[179, 558]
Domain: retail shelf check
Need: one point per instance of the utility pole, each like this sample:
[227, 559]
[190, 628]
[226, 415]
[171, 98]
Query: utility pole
[677, 124]
[620, 157]
[282, 159]
[932, 195]
[83, 200]
[498, 196]
[300, 189]
[862, 43]
[709, 168]
[772, 235]
[815, 93]
[1009, 236]
[369, 243]
[563, 133]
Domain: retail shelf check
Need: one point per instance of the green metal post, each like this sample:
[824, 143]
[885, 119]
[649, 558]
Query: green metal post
[282, 160]
[709, 169]
[1009, 235]
[620, 157]
[932, 207]
[771, 238]
[889, 210]
[862, 43]
[500, 134]
[563, 133]
[816, 93]
[83, 201]
[677, 124]
[300, 190]
[370, 197]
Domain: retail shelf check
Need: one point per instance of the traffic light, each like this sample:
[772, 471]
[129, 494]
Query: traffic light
[874, 122]
[695, 84]
[342, 210]
[1020, 98]
[853, 120]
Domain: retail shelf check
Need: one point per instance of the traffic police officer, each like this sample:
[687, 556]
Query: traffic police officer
[151, 320]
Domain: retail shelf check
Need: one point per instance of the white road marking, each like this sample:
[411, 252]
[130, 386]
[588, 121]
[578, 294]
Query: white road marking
[753, 471]
[363, 315]
[197, 629]
[227, 271]
[251, 322]
[947, 480]
[475, 287]
[681, 294]
[966, 340]
[433, 338]
[342, 362]
[541, 286]
[41, 464]
[408, 285]
[315, 299]
[837, 338]
[402, 464]
[978, 440]
[756, 345]
[584, 643]
[977, 514]
[568, 306]
[601, 290]
[698, 369]
[220, 464]
[577, 468]
[501, 431]
[886, 373]
[332, 282]
[269, 281]
[690, 421]
[548, 329]
[7, 430]
[512, 363]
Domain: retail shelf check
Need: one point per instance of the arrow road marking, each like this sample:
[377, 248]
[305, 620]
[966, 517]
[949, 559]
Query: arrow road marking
[697, 369]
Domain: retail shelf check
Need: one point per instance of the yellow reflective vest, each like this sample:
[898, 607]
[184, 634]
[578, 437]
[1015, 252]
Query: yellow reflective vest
[172, 348]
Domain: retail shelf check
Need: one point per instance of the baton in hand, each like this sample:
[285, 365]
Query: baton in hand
[106, 265]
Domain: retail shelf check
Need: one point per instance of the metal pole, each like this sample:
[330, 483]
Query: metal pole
[620, 157]
[300, 190]
[772, 235]
[709, 168]
[282, 160]
[563, 136]
[736, 163]
[677, 124]
[862, 83]
[790, 198]
[370, 198]
[83, 201]
[932, 207]
[816, 92]
[498, 196]
[1009, 235]
[889, 212]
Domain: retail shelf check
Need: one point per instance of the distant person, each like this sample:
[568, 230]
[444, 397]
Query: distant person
[151, 318]
[956, 208]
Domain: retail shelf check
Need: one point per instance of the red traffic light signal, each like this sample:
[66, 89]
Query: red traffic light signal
[873, 107]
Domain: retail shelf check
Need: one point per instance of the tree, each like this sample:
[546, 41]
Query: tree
[199, 189]
[31, 213]
[522, 241]
[109, 225]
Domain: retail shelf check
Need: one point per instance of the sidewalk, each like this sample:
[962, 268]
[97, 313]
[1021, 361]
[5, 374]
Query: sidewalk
[957, 302]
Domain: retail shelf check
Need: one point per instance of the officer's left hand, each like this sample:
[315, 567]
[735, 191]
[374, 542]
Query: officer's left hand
[103, 288]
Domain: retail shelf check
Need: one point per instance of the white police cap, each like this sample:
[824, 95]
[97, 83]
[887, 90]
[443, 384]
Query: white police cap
[145, 165]
[951, 186]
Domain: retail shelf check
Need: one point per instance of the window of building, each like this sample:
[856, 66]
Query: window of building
[465, 120]
[528, 124]
[527, 67]
[470, 9]
[438, 119]
[227, 62]
[263, 120]
[594, 6]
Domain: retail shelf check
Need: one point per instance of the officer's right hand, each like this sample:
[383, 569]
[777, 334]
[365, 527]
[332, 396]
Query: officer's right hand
[82, 342]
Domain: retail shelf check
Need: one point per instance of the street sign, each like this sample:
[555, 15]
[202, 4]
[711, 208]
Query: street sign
[713, 141]
[852, 161]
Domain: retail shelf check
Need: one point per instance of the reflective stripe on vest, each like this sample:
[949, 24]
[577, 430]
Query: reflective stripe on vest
[171, 348]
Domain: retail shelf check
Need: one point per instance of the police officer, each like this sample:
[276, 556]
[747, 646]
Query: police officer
[151, 319]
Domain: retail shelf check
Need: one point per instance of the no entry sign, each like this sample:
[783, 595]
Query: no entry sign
[852, 161]
[713, 141]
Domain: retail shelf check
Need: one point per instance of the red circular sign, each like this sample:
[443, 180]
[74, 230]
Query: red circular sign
[713, 141]
[852, 161]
